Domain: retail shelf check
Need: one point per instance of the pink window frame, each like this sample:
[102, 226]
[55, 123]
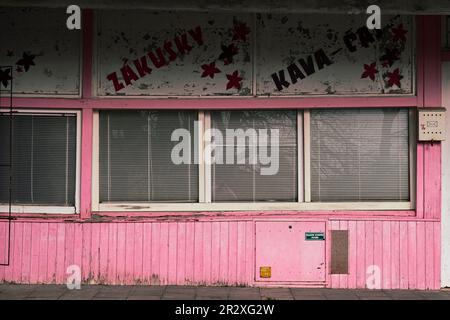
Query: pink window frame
[428, 94]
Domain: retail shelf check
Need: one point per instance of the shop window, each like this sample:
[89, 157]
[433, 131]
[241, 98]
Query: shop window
[360, 155]
[333, 159]
[135, 157]
[268, 151]
[44, 161]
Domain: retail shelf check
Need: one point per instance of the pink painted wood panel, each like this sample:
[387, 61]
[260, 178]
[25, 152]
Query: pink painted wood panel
[210, 252]
[282, 246]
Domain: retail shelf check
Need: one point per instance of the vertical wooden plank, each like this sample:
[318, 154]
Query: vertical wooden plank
[181, 254]
[34, 268]
[199, 249]
[112, 253]
[51, 261]
[105, 246]
[352, 254]
[8, 270]
[18, 247]
[421, 282]
[412, 255]
[190, 233]
[42, 254]
[60, 253]
[164, 253]
[156, 256]
[378, 247]
[121, 251]
[232, 256]
[128, 276]
[420, 171]
[429, 257]
[78, 246]
[26, 252]
[241, 253]
[386, 270]
[86, 255]
[361, 256]
[138, 270]
[69, 246]
[223, 251]
[95, 252]
[147, 253]
[172, 253]
[207, 252]
[369, 261]
[250, 252]
[432, 181]
[395, 254]
[404, 258]
[86, 163]
[437, 255]
[215, 251]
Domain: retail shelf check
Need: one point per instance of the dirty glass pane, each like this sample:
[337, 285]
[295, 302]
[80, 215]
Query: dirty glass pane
[360, 155]
[256, 177]
[43, 162]
[135, 157]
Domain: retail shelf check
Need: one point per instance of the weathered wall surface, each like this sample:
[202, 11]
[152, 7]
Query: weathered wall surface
[210, 252]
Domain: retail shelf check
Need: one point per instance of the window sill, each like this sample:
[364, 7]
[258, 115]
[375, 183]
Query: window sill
[18, 209]
[251, 206]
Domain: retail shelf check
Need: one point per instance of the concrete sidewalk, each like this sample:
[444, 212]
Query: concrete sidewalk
[100, 292]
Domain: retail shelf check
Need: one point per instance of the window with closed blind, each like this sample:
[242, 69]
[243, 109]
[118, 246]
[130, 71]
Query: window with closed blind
[360, 155]
[322, 159]
[135, 157]
[245, 181]
[44, 153]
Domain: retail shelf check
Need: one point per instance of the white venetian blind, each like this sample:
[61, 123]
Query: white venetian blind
[245, 182]
[360, 155]
[44, 159]
[135, 157]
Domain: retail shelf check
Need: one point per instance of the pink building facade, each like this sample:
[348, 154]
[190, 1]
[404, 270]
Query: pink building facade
[299, 229]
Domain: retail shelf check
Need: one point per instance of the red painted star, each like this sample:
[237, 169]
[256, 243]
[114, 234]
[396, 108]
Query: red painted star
[209, 70]
[370, 71]
[389, 57]
[234, 81]
[394, 78]
[26, 61]
[399, 33]
[5, 76]
[227, 53]
[240, 31]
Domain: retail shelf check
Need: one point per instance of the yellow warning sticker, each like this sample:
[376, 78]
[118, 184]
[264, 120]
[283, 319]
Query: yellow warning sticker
[265, 272]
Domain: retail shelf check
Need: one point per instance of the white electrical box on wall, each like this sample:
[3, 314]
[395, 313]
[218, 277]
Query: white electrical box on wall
[431, 124]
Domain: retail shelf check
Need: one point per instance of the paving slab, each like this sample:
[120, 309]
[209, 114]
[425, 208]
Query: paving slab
[103, 292]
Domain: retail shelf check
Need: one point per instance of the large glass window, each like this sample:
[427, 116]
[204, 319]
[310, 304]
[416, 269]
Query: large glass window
[255, 159]
[259, 156]
[43, 159]
[135, 157]
[360, 155]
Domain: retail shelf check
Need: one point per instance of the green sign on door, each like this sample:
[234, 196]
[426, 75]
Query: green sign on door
[312, 236]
